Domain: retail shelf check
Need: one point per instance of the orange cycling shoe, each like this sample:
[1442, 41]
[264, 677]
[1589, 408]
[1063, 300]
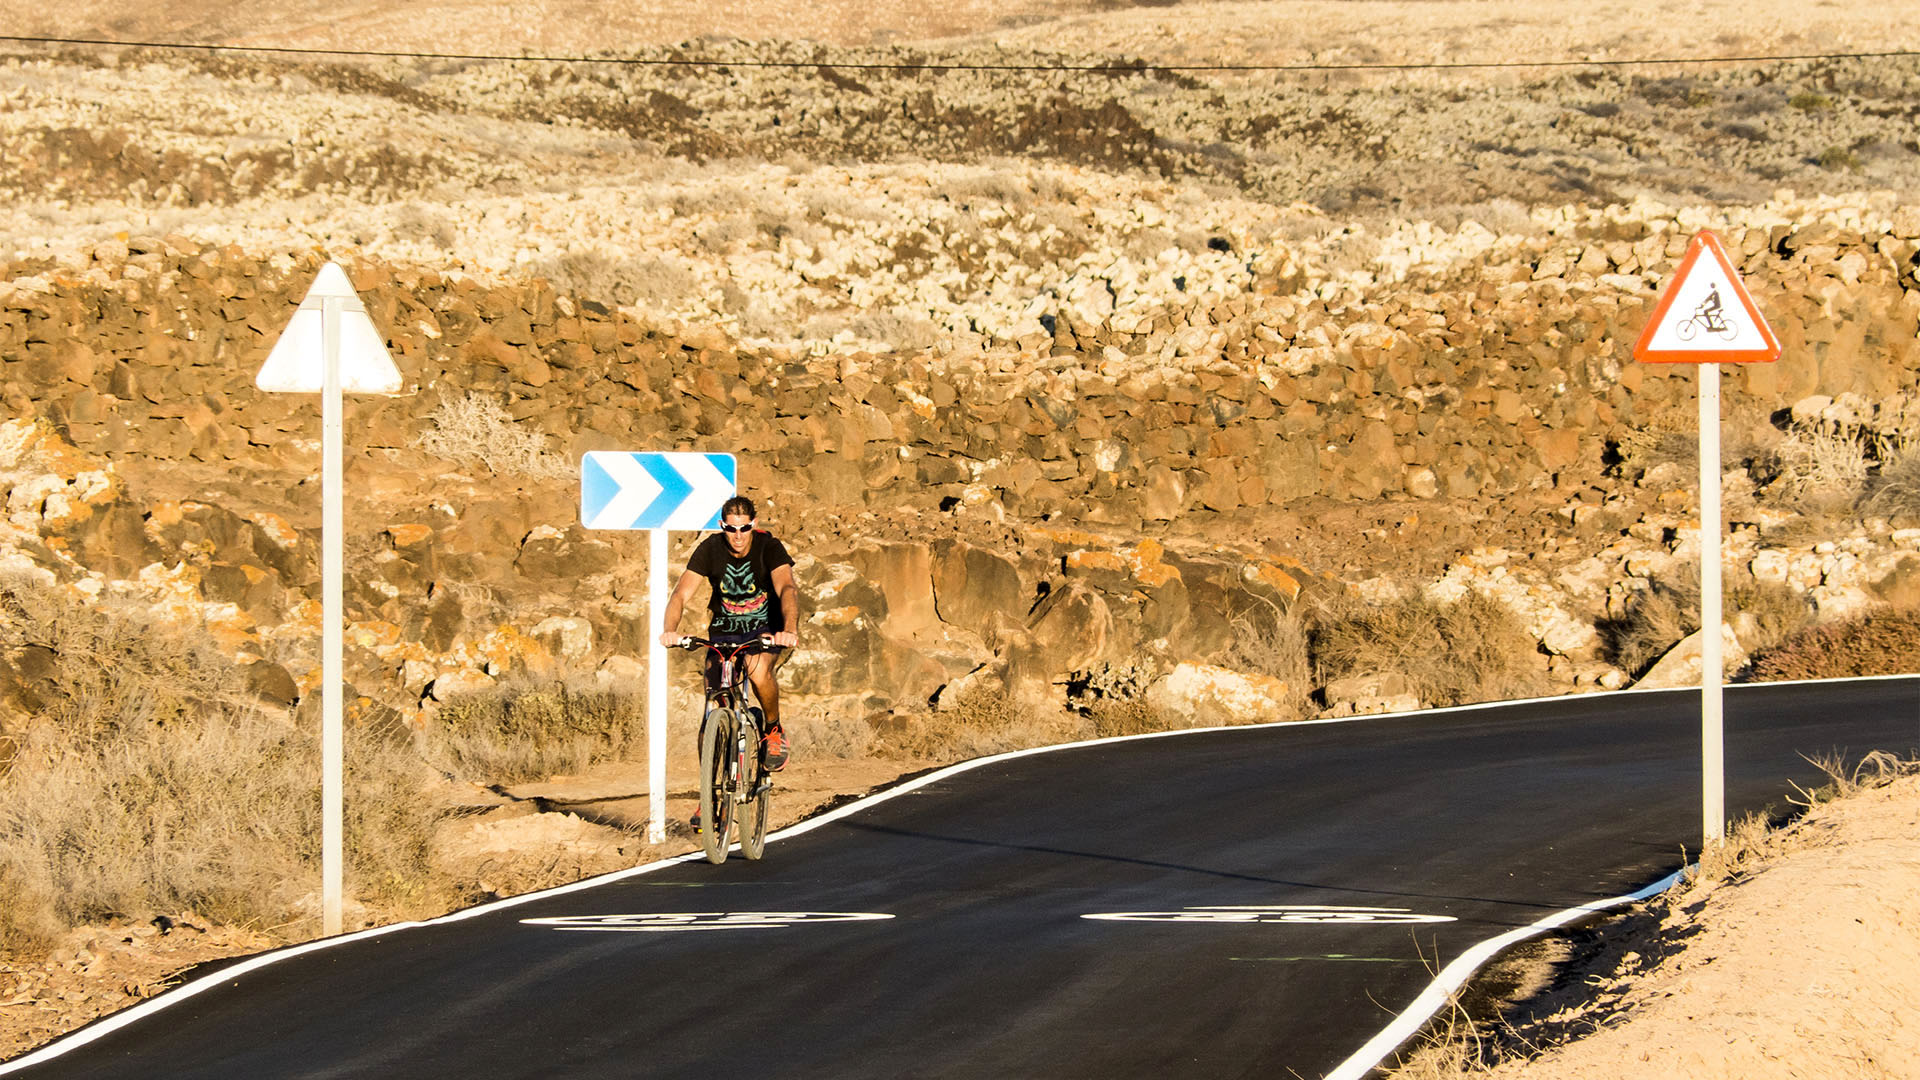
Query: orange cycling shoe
[776, 750]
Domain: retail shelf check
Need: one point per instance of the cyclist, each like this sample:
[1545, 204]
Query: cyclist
[1709, 313]
[753, 593]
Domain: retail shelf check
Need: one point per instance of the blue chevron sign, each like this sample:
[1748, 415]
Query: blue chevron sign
[626, 490]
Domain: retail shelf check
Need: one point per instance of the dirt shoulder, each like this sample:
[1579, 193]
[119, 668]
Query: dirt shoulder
[1805, 962]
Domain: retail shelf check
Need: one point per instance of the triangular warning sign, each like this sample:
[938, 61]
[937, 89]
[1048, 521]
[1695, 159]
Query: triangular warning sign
[297, 364]
[1705, 316]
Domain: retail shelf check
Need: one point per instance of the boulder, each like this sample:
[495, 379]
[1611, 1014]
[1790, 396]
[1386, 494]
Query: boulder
[1680, 666]
[977, 589]
[1200, 695]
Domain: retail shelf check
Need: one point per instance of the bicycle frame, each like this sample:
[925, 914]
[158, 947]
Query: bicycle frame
[734, 779]
[732, 689]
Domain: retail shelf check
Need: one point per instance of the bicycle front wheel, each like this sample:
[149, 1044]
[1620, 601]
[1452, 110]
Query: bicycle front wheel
[716, 783]
[753, 812]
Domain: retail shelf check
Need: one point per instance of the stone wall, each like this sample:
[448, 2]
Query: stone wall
[1487, 376]
[1504, 368]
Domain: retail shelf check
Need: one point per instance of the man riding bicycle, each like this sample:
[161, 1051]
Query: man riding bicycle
[753, 593]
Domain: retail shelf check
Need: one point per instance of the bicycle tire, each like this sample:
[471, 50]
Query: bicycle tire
[716, 790]
[1685, 330]
[753, 812]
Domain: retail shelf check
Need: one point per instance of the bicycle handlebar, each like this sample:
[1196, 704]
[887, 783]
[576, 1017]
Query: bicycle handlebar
[762, 644]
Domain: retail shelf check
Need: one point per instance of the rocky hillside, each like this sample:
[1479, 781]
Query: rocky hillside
[1049, 372]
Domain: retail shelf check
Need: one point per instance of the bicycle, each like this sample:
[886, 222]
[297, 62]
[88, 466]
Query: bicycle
[1711, 322]
[733, 772]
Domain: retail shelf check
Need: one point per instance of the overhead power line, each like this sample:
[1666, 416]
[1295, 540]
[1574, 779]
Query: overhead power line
[1112, 68]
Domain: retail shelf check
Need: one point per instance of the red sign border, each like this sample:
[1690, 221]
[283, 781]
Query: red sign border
[1705, 241]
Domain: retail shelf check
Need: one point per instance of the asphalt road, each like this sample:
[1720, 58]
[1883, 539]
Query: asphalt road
[1283, 887]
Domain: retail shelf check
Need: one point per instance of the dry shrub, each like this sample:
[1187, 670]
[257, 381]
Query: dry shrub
[1747, 844]
[1656, 619]
[1884, 641]
[1817, 471]
[151, 786]
[1895, 490]
[477, 430]
[1113, 699]
[1640, 451]
[653, 282]
[1272, 641]
[904, 333]
[826, 732]
[983, 719]
[159, 672]
[1126, 716]
[533, 728]
[1876, 770]
[1474, 649]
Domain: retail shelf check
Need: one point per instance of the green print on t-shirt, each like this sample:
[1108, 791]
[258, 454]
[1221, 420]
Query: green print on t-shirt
[743, 604]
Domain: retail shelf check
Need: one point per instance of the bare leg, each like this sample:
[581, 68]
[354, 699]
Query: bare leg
[766, 688]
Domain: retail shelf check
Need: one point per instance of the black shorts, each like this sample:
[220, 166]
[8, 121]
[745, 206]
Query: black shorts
[713, 658]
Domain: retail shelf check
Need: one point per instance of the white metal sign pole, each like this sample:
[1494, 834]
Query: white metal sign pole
[1712, 731]
[332, 738]
[656, 687]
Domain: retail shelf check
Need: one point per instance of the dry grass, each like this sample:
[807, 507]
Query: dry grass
[1885, 641]
[534, 728]
[150, 786]
[1474, 649]
[156, 673]
[1752, 840]
[477, 430]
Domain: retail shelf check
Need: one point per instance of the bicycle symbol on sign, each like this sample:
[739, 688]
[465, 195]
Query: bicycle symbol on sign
[1706, 317]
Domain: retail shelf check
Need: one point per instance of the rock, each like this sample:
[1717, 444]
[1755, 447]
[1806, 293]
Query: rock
[1199, 695]
[1900, 587]
[272, 684]
[1680, 666]
[978, 590]
[1163, 494]
[1567, 636]
[551, 556]
[621, 671]
[451, 684]
[568, 637]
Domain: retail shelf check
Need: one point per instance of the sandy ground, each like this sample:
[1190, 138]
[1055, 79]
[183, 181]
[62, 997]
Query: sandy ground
[1264, 31]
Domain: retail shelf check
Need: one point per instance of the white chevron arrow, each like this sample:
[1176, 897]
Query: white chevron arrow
[637, 492]
[711, 488]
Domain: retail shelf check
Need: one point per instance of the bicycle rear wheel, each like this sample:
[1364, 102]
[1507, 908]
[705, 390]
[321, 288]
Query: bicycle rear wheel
[716, 786]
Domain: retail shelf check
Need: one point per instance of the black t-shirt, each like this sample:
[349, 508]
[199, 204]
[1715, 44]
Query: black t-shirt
[743, 601]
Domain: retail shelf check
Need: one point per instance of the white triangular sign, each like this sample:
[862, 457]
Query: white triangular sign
[1705, 314]
[297, 364]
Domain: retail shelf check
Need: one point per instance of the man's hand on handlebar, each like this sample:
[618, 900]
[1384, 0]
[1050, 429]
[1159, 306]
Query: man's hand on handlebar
[786, 639]
[673, 639]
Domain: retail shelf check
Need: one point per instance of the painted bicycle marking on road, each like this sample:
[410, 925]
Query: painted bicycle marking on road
[1242, 914]
[668, 922]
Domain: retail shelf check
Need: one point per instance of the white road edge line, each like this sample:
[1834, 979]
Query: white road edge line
[116, 1021]
[1455, 975]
